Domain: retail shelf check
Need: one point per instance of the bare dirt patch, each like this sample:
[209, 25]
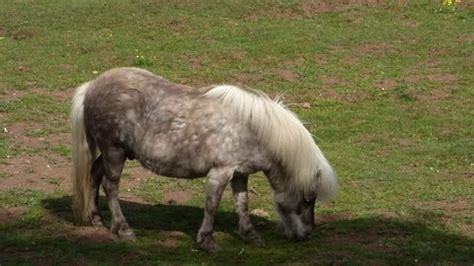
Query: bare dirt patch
[18, 134]
[459, 207]
[307, 9]
[22, 34]
[88, 234]
[171, 240]
[328, 80]
[173, 197]
[321, 59]
[351, 97]
[35, 164]
[386, 84]
[37, 167]
[329, 90]
[13, 214]
[410, 24]
[448, 83]
[286, 74]
[246, 79]
[39, 172]
[450, 209]
[350, 60]
[336, 49]
[323, 219]
[61, 95]
[443, 78]
[195, 63]
[372, 48]
[371, 238]
[435, 52]
[435, 94]
[466, 38]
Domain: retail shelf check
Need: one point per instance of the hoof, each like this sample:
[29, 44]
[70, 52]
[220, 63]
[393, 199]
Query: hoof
[127, 235]
[208, 244]
[210, 247]
[252, 237]
[258, 242]
[96, 221]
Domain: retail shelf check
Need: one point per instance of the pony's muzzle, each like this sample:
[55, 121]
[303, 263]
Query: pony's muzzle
[300, 238]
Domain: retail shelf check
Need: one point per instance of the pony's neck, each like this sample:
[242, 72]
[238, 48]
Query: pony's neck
[276, 177]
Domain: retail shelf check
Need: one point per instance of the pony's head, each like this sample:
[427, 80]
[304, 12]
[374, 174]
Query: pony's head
[296, 205]
[297, 214]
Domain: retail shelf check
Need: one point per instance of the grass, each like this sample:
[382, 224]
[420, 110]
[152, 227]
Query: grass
[390, 93]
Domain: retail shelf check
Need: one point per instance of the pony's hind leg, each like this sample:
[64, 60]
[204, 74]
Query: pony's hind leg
[239, 190]
[217, 181]
[97, 174]
[114, 159]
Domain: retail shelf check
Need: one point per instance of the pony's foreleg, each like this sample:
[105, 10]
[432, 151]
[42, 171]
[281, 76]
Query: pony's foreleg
[97, 174]
[241, 200]
[114, 159]
[217, 181]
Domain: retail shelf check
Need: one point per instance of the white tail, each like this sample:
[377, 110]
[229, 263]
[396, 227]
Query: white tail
[83, 154]
[285, 136]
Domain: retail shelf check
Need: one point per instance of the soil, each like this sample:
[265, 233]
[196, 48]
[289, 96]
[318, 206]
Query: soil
[460, 208]
[36, 166]
[372, 48]
[308, 9]
[13, 214]
[286, 74]
[89, 234]
[61, 95]
[386, 84]
[173, 197]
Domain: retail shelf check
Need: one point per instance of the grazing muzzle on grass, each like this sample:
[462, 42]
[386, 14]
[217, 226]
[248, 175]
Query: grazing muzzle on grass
[297, 215]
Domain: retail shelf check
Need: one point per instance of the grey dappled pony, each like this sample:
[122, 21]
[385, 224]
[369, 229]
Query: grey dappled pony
[222, 132]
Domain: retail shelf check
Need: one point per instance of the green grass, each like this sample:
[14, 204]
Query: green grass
[390, 90]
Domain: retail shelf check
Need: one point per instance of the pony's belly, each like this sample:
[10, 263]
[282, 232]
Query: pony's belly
[174, 169]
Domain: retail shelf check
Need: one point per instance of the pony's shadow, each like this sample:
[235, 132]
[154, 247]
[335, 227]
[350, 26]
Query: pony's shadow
[359, 238]
[160, 217]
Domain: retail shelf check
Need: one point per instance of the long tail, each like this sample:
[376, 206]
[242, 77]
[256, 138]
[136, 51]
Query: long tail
[83, 154]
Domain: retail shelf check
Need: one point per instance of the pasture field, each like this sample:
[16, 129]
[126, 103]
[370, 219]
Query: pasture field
[386, 87]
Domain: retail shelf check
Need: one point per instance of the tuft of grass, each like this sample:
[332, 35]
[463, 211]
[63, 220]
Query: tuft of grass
[33, 108]
[63, 150]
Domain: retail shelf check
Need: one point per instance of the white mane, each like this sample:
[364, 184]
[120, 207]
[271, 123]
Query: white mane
[284, 135]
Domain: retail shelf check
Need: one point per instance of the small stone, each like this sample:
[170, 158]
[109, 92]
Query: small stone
[260, 213]
[306, 105]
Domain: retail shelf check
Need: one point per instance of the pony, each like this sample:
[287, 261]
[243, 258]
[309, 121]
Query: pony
[220, 132]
